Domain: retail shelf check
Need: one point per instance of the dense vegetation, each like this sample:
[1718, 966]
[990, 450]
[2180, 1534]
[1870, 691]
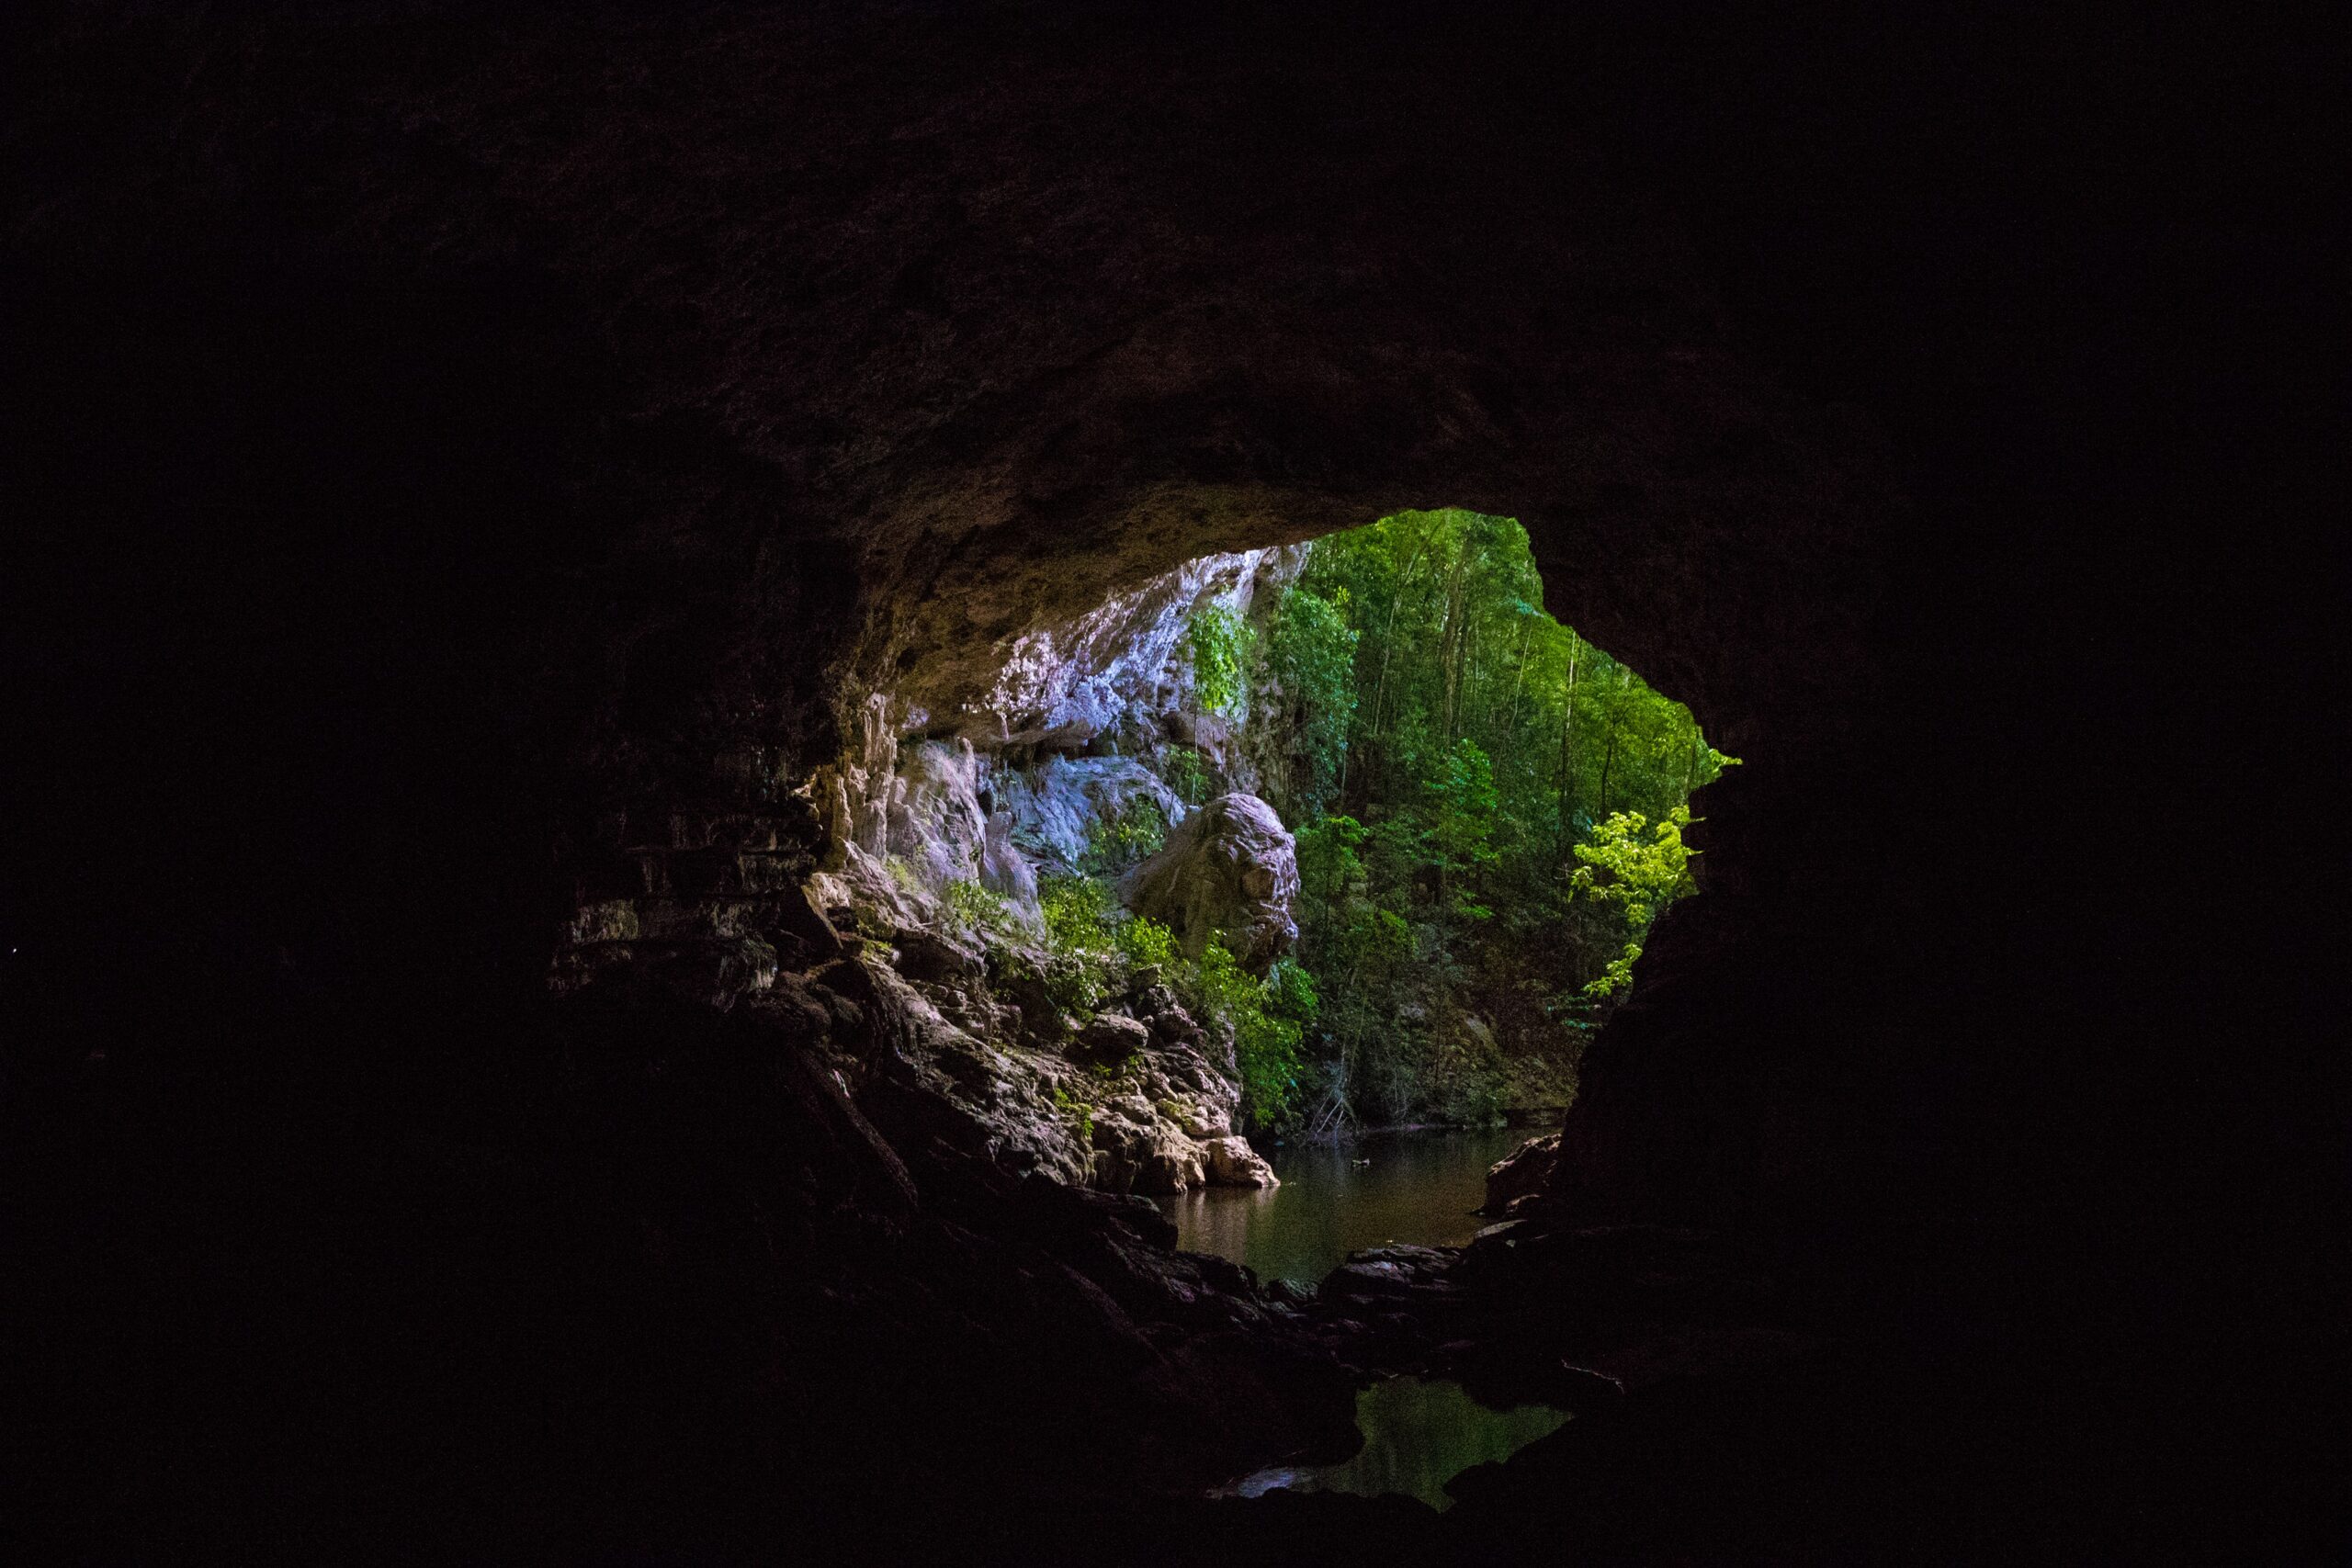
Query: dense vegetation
[1489, 816]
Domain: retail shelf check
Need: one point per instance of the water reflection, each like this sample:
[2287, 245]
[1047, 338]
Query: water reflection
[1416, 1436]
[1395, 1186]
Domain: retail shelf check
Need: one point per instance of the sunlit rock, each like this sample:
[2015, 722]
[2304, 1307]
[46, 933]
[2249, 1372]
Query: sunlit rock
[1230, 871]
[1233, 1163]
[1056, 808]
[1062, 686]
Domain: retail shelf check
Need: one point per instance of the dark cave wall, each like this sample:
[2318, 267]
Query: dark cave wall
[570, 422]
[466, 441]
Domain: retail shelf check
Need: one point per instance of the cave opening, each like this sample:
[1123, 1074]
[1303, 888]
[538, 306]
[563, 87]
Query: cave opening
[481, 462]
[1283, 889]
[1286, 887]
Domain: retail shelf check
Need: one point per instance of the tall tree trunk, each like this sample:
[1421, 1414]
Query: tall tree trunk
[1567, 758]
[1517, 679]
[1616, 707]
[1387, 651]
[1449, 643]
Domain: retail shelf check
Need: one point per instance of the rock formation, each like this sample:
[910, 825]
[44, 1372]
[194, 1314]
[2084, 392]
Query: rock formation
[1522, 1174]
[1229, 873]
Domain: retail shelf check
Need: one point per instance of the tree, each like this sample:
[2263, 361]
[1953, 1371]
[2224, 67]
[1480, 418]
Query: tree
[1311, 657]
[1636, 870]
[1219, 642]
[1444, 740]
[1461, 810]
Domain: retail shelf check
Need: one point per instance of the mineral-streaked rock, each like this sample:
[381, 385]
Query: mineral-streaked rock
[1229, 871]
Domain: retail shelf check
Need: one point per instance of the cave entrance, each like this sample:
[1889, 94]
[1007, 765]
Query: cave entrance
[1288, 885]
[1488, 814]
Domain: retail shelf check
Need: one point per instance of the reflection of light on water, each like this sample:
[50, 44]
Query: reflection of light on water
[1265, 1481]
[1418, 1436]
[1399, 1187]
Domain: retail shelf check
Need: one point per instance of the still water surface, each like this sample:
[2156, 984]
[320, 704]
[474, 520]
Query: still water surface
[1417, 1435]
[1417, 1187]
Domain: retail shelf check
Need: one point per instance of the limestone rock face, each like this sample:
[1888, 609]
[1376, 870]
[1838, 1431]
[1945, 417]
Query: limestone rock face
[1233, 1163]
[1110, 1038]
[1229, 871]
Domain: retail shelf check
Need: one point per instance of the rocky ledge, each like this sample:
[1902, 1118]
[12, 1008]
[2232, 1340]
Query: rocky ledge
[1134, 1097]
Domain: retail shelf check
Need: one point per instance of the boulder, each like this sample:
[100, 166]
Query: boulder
[1233, 1163]
[1150, 1159]
[930, 957]
[1520, 1174]
[1172, 1163]
[1110, 1038]
[1230, 871]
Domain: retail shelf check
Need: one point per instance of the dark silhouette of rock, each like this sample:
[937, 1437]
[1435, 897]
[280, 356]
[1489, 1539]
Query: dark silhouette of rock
[1525, 1171]
[928, 956]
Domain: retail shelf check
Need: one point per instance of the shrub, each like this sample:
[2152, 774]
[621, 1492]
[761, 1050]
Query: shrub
[1266, 1019]
[1221, 644]
[1617, 976]
[1120, 840]
[1187, 773]
[1078, 954]
[1091, 945]
[1077, 912]
[1146, 943]
[975, 912]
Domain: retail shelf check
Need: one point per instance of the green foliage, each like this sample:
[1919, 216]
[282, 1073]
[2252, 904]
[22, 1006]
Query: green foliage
[1464, 1080]
[1265, 1018]
[976, 911]
[1459, 839]
[1187, 772]
[1618, 975]
[1076, 913]
[1092, 946]
[1080, 1114]
[1290, 992]
[1311, 654]
[1146, 943]
[1454, 753]
[1221, 644]
[1639, 868]
[1636, 870]
[1119, 842]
